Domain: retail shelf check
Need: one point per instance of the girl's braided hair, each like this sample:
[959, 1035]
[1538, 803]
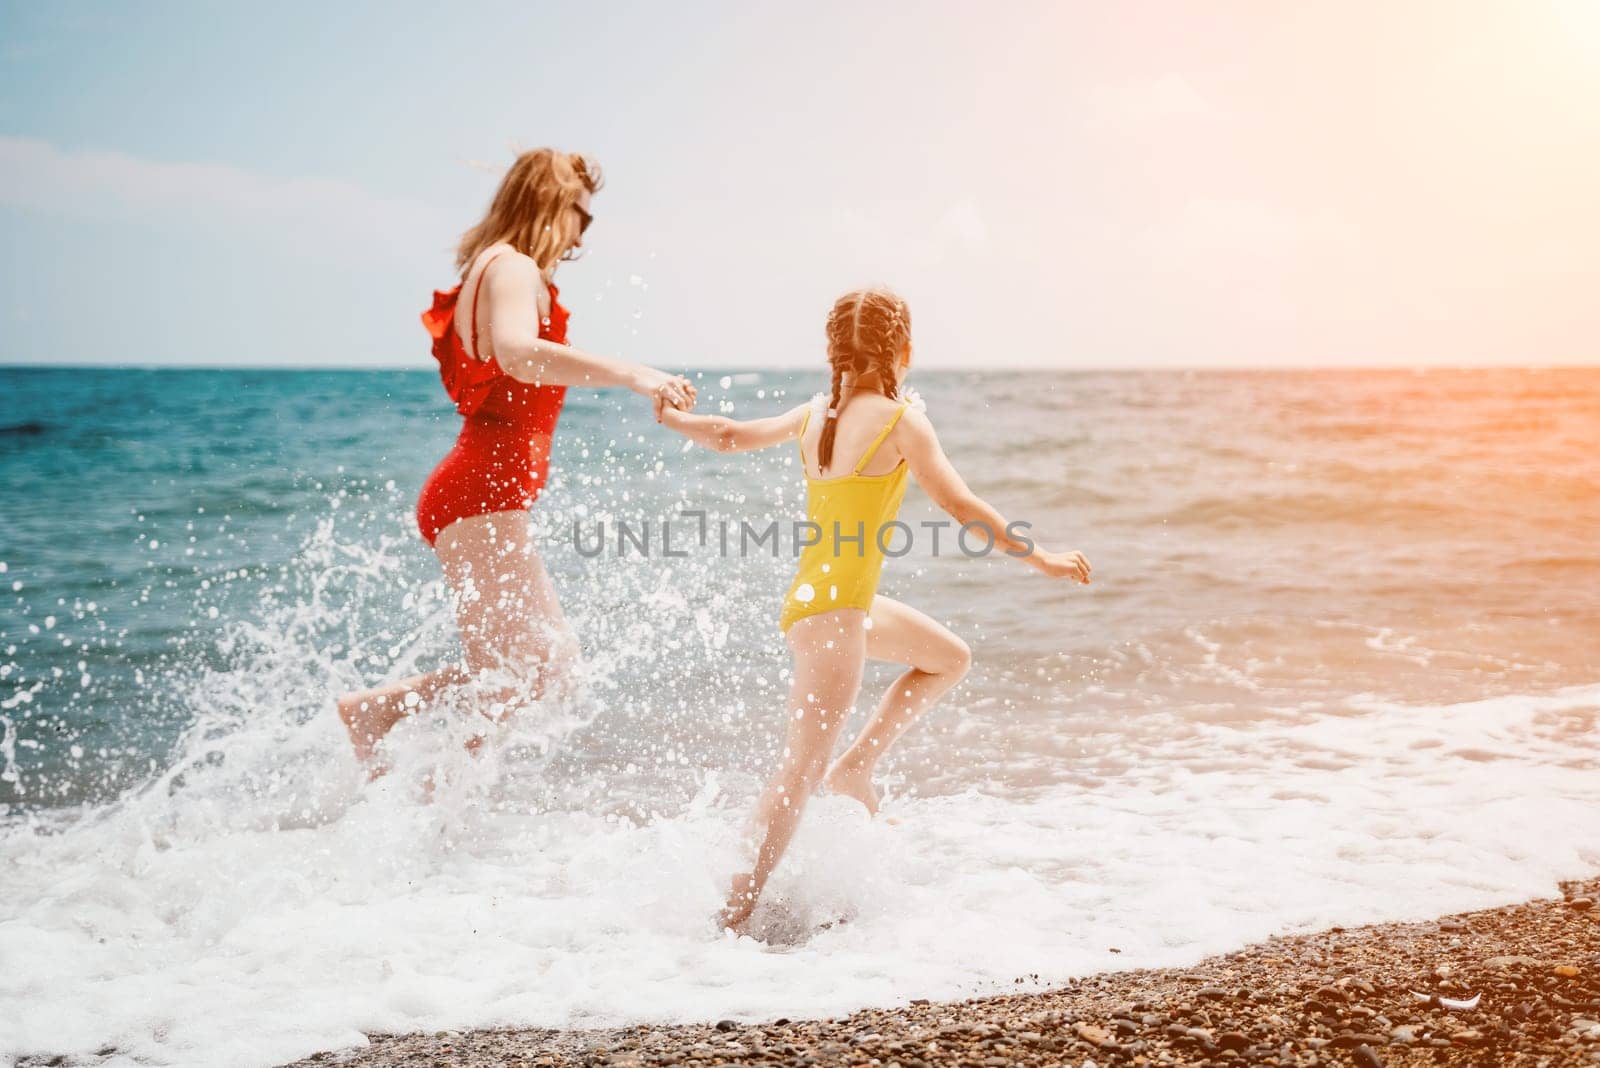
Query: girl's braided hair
[867, 331]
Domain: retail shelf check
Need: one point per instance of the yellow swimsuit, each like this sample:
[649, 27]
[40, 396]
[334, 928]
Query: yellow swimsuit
[841, 570]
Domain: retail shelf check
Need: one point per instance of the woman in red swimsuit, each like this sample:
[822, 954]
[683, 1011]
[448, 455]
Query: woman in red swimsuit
[506, 363]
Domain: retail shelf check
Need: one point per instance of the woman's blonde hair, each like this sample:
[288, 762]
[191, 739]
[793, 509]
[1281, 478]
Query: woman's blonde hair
[529, 211]
[868, 329]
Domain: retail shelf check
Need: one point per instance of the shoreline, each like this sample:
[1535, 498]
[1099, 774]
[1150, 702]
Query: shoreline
[1336, 997]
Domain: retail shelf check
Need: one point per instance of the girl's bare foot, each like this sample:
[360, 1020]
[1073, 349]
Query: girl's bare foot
[741, 903]
[853, 782]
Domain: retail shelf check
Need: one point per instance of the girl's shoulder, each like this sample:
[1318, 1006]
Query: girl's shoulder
[816, 409]
[819, 402]
[915, 418]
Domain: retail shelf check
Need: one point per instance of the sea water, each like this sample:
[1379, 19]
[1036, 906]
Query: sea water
[1340, 662]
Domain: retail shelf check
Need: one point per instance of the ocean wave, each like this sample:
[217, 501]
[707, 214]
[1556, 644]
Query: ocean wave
[30, 429]
[269, 869]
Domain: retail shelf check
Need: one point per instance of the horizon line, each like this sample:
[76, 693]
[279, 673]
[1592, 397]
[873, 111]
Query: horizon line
[785, 368]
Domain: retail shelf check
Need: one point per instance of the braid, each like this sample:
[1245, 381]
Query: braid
[830, 422]
[881, 357]
[867, 332]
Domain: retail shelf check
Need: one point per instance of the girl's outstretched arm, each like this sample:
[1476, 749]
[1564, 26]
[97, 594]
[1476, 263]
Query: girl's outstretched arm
[732, 435]
[943, 483]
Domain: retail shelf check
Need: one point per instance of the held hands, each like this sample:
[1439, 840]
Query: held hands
[666, 390]
[1073, 565]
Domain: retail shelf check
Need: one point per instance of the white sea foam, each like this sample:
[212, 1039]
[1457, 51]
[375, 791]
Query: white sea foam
[202, 923]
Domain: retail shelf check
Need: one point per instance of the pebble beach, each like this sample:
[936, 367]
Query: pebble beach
[1518, 985]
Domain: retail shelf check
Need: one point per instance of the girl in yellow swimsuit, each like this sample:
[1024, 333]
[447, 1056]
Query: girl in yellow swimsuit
[832, 615]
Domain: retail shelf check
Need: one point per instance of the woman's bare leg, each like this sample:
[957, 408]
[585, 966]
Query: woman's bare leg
[506, 607]
[513, 633]
[370, 714]
[829, 653]
[937, 658]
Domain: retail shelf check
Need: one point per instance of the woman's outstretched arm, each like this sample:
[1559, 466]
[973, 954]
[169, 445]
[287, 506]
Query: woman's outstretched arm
[513, 291]
[941, 481]
[733, 435]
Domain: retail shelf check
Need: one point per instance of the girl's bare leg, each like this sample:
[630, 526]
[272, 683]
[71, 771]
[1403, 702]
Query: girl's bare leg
[937, 658]
[513, 632]
[829, 653]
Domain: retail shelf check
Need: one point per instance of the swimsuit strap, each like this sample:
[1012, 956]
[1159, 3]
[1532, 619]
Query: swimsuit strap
[873, 448]
[483, 276]
[800, 442]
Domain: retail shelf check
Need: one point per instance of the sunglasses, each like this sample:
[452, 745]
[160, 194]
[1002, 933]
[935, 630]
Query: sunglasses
[584, 219]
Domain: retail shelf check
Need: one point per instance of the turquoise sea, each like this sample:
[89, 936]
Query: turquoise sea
[1340, 662]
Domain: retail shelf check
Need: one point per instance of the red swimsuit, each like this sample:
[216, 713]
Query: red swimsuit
[502, 457]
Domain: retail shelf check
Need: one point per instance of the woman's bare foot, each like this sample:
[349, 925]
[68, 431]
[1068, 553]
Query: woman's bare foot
[366, 720]
[853, 782]
[741, 903]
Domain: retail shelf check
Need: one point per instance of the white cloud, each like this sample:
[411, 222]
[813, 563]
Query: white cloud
[1251, 279]
[1230, 227]
[335, 217]
[963, 224]
[907, 235]
[1166, 97]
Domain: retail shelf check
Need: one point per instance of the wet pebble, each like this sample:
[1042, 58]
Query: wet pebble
[1366, 1057]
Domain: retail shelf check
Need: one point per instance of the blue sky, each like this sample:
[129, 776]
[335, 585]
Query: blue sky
[1050, 184]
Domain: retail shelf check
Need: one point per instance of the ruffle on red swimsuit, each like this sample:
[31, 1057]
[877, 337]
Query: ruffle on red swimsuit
[501, 459]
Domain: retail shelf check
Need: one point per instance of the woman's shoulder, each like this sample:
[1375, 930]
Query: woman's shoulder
[513, 268]
[503, 257]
